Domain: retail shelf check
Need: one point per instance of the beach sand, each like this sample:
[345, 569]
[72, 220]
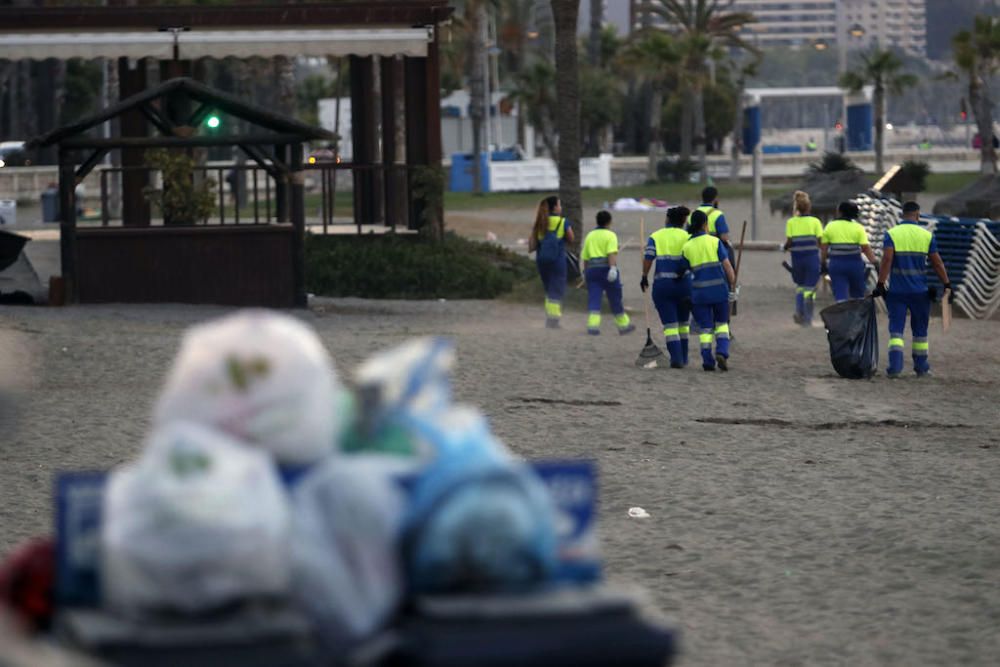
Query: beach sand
[795, 518]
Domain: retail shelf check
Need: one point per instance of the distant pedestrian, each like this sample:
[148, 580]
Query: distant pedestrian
[548, 240]
[713, 288]
[671, 289]
[803, 233]
[905, 251]
[600, 261]
[844, 241]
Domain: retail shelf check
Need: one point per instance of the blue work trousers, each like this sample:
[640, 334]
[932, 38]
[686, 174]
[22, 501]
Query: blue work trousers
[553, 275]
[847, 278]
[805, 273]
[672, 299]
[597, 286]
[918, 304]
[713, 323]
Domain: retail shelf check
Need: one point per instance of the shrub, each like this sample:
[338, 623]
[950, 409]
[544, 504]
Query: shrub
[831, 163]
[182, 200]
[393, 266]
[916, 172]
[675, 171]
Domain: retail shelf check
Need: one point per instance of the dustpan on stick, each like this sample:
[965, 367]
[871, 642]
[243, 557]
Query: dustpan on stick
[651, 355]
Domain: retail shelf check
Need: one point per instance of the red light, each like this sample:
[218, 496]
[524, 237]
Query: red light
[963, 115]
[838, 126]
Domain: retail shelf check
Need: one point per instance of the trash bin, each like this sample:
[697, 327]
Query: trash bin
[50, 205]
[8, 213]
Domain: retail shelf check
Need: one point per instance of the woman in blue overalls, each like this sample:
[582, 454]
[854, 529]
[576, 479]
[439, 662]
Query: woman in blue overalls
[712, 289]
[671, 292]
[548, 238]
[844, 241]
[803, 233]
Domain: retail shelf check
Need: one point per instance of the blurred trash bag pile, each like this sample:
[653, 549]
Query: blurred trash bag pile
[276, 517]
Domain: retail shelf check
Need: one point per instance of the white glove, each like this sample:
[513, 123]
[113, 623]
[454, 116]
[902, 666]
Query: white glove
[613, 274]
[734, 294]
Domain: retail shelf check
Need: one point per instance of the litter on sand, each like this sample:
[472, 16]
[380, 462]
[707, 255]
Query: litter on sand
[638, 513]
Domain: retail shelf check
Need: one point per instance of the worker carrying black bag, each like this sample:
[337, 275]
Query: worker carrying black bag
[852, 329]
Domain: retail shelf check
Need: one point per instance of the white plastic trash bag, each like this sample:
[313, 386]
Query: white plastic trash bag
[260, 376]
[199, 521]
[346, 572]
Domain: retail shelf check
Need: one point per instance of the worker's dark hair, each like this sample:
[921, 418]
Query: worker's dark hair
[709, 195]
[911, 207]
[603, 218]
[677, 216]
[848, 210]
[546, 207]
[697, 222]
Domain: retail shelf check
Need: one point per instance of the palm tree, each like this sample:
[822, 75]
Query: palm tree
[705, 26]
[880, 69]
[535, 91]
[977, 54]
[566, 14]
[654, 57]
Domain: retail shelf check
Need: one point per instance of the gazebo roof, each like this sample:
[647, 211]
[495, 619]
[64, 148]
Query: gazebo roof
[284, 129]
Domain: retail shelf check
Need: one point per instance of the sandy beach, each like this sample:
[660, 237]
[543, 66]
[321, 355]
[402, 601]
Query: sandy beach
[795, 518]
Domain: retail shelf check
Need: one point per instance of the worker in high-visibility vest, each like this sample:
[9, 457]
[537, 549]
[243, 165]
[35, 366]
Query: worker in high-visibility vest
[600, 261]
[671, 291]
[905, 251]
[549, 236]
[717, 225]
[713, 288]
[802, 237]
[843, 243]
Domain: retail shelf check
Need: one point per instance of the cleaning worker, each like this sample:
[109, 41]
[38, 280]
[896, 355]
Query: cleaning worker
[905, 252]
[548, 241]
[600, 262]
[844, 241]
[717, 225]
[671, 293]
[802, 237]
[713, 288]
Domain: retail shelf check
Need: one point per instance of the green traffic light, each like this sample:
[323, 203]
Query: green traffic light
[213, 122]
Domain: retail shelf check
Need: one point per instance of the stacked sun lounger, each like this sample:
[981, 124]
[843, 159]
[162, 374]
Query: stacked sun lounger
[969, 247]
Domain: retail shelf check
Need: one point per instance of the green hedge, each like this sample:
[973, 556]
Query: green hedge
[392, 266]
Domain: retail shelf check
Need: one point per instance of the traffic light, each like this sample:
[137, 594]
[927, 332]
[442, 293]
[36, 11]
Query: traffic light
[838, 126]
[213, 122]
[964, 110]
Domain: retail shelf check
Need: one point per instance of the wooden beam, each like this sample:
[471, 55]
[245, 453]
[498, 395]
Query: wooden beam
[274, 170]
[179, 142]
[67, 226]
[90, 163]
[156, 118]
[199, 115]
[135, 207]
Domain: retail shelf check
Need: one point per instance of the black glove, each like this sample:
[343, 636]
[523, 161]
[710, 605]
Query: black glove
[932, 293]
[879, 290]
[951, 292]
[644, 283]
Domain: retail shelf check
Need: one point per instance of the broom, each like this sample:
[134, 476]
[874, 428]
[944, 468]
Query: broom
[650, 355]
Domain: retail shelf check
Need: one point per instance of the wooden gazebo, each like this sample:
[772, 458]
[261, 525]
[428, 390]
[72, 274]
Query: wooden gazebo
[228, 264]
[392, 50]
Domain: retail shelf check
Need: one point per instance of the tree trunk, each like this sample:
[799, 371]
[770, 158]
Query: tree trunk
[477, 92]
[982, 107]
[878, 99]
[655, 114]
[566, 13]
[687, 124]
[285, 75]
[594, 42]
[734, 151]
[700, 140]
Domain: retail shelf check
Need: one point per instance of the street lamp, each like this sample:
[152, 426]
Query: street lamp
[820, 45]
[857, 31]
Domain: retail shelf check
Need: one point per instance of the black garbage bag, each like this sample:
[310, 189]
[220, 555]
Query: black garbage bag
[572, 266]
[852, 329]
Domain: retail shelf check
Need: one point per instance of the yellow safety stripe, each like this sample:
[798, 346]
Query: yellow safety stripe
[593, 320]
[921, 346]
[908, 237]
[622, 320]
[721, 328]
[895, 342]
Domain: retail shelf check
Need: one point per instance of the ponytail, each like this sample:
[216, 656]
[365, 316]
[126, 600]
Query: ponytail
[545, 208]
[800, 203]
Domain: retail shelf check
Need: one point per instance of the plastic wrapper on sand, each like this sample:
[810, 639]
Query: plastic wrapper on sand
[264, 378]
[198, 522]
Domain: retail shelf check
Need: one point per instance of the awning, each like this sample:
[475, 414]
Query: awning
[195, 44]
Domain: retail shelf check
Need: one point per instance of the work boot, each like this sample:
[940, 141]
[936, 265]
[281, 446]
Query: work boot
[627, 329]
[722, 362]
[593, 332]
[552, 323]
[797, 318]
[676, 364]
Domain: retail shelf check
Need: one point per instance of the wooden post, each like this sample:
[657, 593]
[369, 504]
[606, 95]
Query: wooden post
[416, 130]
[363, 138]
[389, 82]
[281, 186]
[67, 226]
[298, 207]
[135, 208]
